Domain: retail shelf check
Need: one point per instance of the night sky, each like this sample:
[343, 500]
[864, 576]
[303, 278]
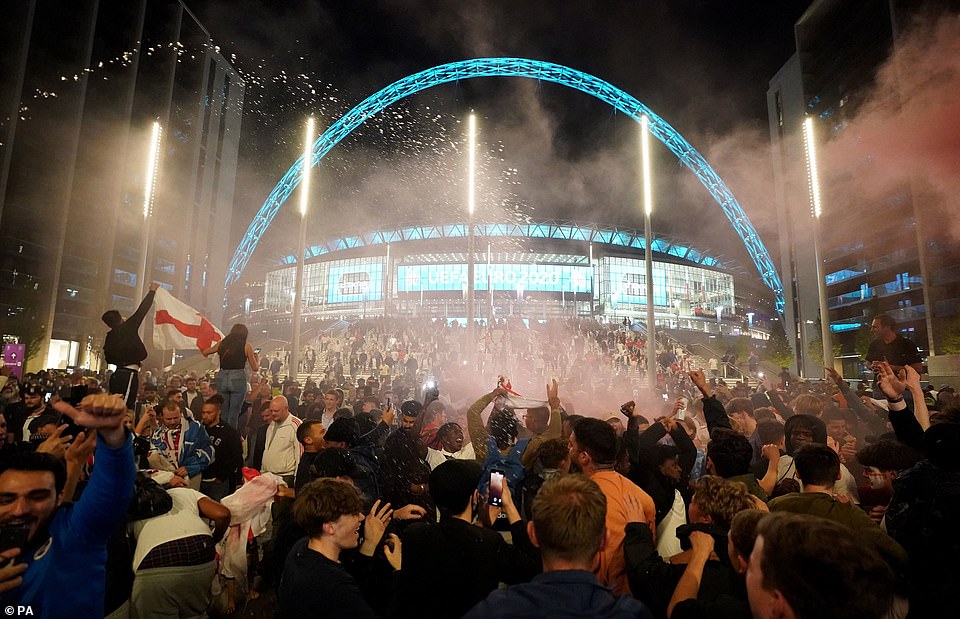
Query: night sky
[546, 151]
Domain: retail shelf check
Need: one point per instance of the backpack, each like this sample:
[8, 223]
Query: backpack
[513, 471]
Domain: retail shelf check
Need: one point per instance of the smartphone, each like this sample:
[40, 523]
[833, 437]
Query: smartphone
[389, 403]
[13, 537]
[496, 488]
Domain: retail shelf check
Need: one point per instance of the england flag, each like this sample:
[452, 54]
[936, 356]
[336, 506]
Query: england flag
[179, 326]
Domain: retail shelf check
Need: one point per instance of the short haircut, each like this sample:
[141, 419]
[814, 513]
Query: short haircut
[171, 391]
[743, 530]
[721, 499]
[111, 318]
[885, 321]
[730, 452]
[739, 405]
[304, 429]
[817, 464]
[769, 432]
[343, 413]
[453, 483]
[832, 413]
[448, 428]
[34, 461]
[170, 405]
[764, 413]
[569, 518]
[552, 453]
[432, 411]
[665, 452]
[806, 404]
[598, 439]
[325, 500]
[216, 399]
[889, 455]
[822, 569]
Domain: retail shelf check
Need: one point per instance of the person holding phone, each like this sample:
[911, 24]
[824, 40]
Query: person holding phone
[474, 559]
[65, 545]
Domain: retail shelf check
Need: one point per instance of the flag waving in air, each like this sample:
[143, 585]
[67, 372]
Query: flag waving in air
[179, 326]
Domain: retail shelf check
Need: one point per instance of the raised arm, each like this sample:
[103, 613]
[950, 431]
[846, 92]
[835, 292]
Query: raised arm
[137, 317]
[553, 430]
[251, 358]
[478, 433]
[713, 411]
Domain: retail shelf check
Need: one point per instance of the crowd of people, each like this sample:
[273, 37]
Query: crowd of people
[436, 487]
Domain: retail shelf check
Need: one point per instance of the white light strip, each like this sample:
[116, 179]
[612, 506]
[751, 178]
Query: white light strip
[645, 155]
[307, 164]
[472, 159]
[813, 173]
[153, 158]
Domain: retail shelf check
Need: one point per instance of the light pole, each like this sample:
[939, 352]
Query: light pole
[306, 165]
[471, 202]
[814, 181]
[648, 250]
[149, 191]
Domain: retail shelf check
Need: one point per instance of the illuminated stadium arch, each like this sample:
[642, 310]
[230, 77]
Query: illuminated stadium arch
[512, 67]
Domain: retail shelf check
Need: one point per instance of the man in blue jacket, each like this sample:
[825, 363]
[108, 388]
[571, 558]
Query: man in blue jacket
[183, 444]
[56, 568]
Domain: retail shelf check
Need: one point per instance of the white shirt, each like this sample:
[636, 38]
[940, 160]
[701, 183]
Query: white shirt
[437, 457]
[281, 452]
[183, 520]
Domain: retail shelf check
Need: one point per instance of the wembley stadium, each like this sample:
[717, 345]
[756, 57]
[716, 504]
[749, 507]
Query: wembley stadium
[534, 270]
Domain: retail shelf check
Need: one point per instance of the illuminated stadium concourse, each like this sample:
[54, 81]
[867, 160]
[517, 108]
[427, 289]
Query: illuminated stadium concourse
[511, 67]
[534, 270]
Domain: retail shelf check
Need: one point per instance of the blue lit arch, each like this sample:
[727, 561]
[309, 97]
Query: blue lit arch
[512, 67]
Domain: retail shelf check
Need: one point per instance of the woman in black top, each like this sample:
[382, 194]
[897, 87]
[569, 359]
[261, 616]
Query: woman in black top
[231, 381]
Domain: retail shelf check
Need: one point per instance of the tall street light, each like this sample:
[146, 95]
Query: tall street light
[813, 178]
[471, 202]
[149, 191]
[648, 250]
[301, 246]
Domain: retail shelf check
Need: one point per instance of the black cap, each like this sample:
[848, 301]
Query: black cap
[31, 389]
[344, 430]
[335, 462]
[941, 444]
[411, 408]
[43, 420]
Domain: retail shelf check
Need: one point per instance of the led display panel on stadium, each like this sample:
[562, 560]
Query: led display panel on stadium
[527, 277]
[358, 282]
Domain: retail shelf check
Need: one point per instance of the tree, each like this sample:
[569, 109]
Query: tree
[950, 342]
[815, 346]
[778, 347]
[29, 330]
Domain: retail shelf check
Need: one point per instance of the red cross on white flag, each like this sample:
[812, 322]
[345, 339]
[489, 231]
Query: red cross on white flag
[179, 326]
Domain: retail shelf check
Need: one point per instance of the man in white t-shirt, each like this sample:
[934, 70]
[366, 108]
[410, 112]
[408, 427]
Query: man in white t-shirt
[174, 561]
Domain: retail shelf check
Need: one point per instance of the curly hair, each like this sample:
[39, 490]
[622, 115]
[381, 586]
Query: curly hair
[325, 500]
[721, 499]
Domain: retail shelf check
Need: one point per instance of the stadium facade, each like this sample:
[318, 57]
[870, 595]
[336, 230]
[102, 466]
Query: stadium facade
[534, 271]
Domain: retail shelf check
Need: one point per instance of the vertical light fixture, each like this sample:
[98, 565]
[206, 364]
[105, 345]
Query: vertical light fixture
[149, 192]
[306, 166]
[648, 250]
[813, 179]
[471, 203]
